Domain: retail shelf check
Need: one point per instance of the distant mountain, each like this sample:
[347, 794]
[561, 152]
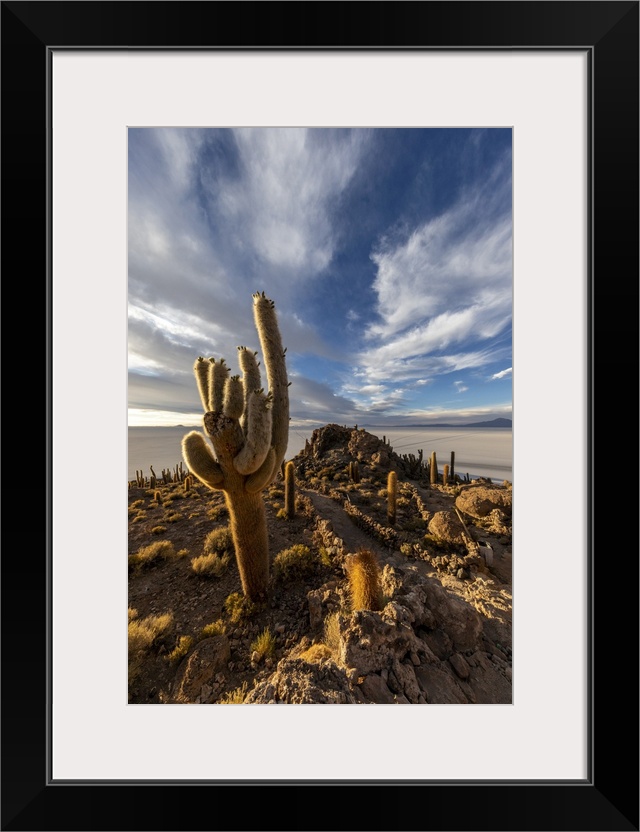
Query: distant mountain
[493, 423]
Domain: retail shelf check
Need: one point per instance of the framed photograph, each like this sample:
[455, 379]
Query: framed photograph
[561, 81]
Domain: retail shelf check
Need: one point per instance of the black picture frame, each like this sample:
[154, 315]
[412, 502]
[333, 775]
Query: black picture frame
[608, 798]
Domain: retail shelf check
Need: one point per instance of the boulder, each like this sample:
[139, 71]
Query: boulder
[480, 500]
[446, 526]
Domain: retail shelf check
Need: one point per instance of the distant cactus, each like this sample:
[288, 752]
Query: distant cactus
[157, 496]
[289, 490]
[445, 474]
[248, 447]
[354, 471]
[363, 572]
[392, 493]
[433, 469]
[452, 470]
[188, 483]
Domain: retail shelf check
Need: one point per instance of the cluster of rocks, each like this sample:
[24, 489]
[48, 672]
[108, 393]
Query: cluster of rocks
[425, 646]
[336, 445]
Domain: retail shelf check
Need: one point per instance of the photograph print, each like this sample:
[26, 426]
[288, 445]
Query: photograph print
[320, 415]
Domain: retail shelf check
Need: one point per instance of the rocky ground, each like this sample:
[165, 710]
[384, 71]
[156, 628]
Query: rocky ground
[443, 634]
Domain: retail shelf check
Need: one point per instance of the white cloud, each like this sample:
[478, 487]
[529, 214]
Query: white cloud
[460, 386]
[442, 288]
[502, 373]
[282, 196]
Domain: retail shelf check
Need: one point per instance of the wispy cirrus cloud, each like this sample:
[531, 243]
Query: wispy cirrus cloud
[502, 374]
[443, 285]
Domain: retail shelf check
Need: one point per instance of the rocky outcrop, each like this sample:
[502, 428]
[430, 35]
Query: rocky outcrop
[426, 646]
[480, 500]
[194, 678]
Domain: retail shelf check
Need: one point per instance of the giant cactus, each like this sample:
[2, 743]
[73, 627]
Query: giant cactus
[249, 432]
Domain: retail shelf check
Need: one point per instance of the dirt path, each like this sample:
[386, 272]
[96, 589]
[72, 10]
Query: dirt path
[344, 527]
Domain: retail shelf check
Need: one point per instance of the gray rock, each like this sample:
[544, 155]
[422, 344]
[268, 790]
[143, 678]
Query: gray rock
[446, 526]
[460, 666]
[439, 686]
[376, 690]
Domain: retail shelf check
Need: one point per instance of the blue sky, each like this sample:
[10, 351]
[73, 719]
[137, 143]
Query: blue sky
[388, 253]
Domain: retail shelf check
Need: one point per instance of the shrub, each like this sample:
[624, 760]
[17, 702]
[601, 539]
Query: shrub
[316, 653]
[211, 566]
[160, 550]
[216, 628]
[293, 563]
[158, 530]
[142, 635]
[332, 633]
[238, 607]
[183, 645]
[234, 697]
[173, 517]
[282, 514]
[218, 541]
[264, 645]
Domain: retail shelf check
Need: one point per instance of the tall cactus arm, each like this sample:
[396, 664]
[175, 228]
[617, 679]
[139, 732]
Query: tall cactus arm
[258, 439]
[218, 374]
[233, 400]
[250, 379]
[201, 372]
[257, 481]
[273, 354]
[200, 460]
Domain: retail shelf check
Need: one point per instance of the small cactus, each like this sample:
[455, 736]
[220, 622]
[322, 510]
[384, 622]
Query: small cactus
[363, 572]
[392, 491]
[157, 496]
[289, 490]
[188, 483]
[433, 469]
[445, 474]
[354, 472]
[452, 470]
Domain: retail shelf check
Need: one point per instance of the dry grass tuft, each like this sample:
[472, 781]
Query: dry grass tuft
[264, 645]
[183, 645]
[293, 563]
[210, 566]
[316, 653]
[160, 550]
[332, 633]
[142, 635]
[235, 697]
[215, 628]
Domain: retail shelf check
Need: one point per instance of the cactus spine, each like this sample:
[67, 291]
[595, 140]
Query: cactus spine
[433, 469]
[289, 491]
[248, 446]
[392, 489]
[445, 474]
[363, 572]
